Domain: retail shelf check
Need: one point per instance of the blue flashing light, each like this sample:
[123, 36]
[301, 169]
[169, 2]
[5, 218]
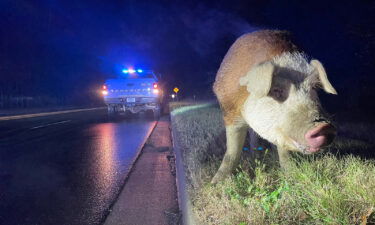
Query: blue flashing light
[130, 70]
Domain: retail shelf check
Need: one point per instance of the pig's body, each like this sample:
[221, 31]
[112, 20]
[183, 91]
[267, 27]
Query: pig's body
[249, 50]
[257, 60]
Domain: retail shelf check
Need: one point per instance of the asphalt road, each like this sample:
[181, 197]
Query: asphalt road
[65, 169]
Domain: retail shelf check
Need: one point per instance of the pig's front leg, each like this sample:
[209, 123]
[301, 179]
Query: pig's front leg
[283, 157]
[235, 140]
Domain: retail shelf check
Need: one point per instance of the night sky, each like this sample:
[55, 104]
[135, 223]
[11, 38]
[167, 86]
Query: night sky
[65, 49]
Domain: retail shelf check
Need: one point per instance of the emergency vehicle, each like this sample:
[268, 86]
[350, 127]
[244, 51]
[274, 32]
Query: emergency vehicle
[137, 91]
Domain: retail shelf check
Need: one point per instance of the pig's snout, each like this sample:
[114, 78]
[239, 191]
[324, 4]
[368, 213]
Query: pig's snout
[320, 136]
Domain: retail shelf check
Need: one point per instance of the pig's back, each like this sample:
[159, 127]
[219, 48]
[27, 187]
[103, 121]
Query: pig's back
[247, 51]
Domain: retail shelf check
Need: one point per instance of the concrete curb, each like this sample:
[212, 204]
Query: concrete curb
[24, 116]
[182, 194]
[131, 166]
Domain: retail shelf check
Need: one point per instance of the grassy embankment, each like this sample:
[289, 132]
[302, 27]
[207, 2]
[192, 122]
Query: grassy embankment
[323, 189]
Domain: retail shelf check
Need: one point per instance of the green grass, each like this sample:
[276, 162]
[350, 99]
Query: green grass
[320, 189]
[326, 190]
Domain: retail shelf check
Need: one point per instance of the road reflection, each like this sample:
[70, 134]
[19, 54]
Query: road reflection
[113, 146]
[104, 158]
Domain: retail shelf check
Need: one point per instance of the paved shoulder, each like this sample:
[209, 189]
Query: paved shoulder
[149, 195]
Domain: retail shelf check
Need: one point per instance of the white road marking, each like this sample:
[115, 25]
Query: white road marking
[47, 113]
[50, 124]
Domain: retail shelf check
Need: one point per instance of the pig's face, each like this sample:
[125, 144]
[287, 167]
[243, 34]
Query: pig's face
[283, 105]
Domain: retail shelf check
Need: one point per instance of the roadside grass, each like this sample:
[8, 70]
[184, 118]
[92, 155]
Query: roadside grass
[178, 104]
[201, 136]
[326, 190]
[330, 188]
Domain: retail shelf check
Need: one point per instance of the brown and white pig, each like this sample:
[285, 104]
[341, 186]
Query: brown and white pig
[267, 84]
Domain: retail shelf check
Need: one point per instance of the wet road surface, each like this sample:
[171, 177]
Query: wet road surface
[65, 169]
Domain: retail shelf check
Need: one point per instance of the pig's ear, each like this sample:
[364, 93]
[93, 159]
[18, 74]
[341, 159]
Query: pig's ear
[259, 79]
[327, 86]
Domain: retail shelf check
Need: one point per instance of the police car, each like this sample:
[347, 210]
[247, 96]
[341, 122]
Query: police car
[137, 91]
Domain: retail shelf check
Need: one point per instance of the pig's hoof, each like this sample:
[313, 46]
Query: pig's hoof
[219, 176]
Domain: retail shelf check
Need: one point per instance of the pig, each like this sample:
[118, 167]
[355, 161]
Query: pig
[267, 84]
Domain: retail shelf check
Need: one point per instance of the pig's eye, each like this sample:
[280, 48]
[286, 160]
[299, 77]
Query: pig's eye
[278, 94]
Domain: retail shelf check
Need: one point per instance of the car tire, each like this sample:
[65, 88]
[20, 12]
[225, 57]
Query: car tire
[112, 111]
